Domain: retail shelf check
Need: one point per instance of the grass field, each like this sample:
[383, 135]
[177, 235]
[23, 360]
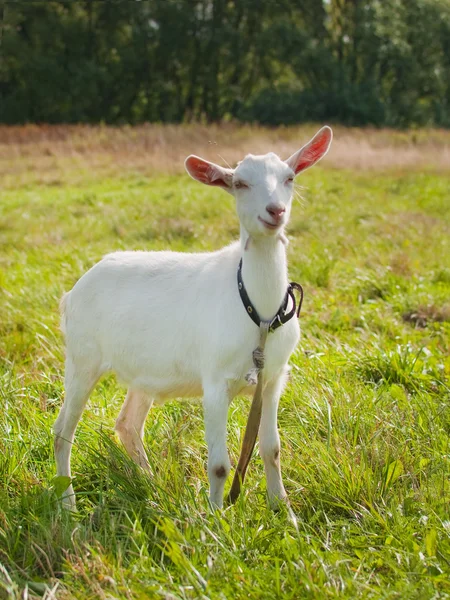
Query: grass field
[364, 422]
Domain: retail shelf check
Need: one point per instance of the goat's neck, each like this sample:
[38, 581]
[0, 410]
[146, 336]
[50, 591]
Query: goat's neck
[264, 272]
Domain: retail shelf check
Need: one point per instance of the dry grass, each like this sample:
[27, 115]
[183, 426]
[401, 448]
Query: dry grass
[56, 154]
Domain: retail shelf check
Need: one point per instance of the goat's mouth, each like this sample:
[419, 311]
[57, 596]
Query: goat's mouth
[271, 226]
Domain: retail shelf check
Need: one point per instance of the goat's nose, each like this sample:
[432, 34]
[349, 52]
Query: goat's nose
[275, 210]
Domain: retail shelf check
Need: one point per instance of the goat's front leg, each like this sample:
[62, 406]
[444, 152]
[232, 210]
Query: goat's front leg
[215, 406]
[269, 440]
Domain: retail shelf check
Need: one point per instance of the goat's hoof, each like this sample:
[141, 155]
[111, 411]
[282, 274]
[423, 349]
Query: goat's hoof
[215, 506]
[69, 506]
[68, 500]
[278, 503]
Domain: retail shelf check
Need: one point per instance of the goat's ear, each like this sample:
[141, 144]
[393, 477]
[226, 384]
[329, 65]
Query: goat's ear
[312, 152]
[209, 173]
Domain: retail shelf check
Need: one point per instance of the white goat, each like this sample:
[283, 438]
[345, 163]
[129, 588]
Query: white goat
[173, 324]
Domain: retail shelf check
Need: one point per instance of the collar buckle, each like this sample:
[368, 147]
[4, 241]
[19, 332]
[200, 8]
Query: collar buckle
[282, 316]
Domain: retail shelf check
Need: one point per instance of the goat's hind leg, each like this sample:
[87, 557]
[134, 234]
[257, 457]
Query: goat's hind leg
[78, 385]
[130, 425]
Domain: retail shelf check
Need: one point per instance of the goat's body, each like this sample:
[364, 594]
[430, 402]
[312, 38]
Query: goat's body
[173, 324]
[166, 322]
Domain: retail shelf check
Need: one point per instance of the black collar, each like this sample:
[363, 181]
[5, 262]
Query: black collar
[282, 316]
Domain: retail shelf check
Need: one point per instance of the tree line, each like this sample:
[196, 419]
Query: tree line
[356, 62]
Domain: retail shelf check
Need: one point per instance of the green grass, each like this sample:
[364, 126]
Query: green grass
[364, 422]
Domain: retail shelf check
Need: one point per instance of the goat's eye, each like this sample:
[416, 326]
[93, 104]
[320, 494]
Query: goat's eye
[289, 180]
[240, 185]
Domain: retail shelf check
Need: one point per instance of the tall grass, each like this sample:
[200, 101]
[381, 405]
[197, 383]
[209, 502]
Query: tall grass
[364, 422]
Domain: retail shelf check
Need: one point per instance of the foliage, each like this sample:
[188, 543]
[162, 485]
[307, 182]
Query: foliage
[364, 422]
[275, 62]
[354, 104]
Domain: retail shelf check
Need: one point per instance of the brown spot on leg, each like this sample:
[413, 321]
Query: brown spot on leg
[220, 472]
[58, 443]
[276, 455]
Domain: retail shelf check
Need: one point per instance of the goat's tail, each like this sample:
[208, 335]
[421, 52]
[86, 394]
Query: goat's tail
[63, 311]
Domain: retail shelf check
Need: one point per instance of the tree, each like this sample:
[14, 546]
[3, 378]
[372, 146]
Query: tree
[273, 61]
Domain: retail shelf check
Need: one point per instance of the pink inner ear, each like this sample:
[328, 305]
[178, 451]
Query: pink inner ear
[312, 152]
[206, 172]
[199, 169]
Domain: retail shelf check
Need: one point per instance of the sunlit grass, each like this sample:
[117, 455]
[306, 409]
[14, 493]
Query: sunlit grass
[364, 422]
